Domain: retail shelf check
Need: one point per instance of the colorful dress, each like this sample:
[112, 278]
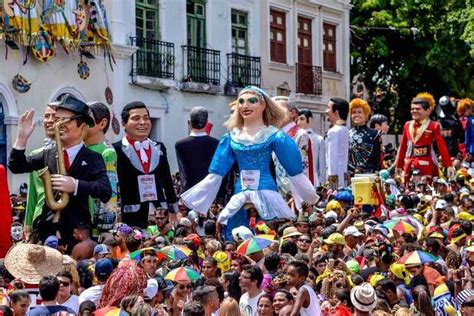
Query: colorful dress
[364, 150]
[255, 184]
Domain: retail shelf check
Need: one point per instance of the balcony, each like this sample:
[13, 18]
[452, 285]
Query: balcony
[153, 63]
[309, 79]
[242, 71]
[201, 70]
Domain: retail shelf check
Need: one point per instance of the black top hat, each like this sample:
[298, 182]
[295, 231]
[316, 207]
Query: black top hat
[70, 103]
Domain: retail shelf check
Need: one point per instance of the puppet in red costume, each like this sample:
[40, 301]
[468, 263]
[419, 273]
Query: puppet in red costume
[419, 135]
[5, 214]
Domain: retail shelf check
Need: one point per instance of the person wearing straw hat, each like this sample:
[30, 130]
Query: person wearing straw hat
[30, 262]
[364, 299]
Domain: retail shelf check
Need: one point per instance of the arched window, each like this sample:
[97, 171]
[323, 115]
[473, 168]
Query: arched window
[3, 137]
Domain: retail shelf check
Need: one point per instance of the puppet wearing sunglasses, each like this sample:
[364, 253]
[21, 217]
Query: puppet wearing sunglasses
[254, 136]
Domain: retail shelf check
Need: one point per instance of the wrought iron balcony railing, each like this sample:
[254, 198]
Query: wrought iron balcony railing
[153, 58]
[201, 65]
[309, 79]
[243, 70]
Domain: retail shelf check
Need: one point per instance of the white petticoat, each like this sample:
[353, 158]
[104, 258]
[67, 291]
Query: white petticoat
[268, 203]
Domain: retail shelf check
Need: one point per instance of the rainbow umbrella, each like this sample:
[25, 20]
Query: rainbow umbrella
[182, 274]
[137, 254]
[175, 252]
[417, 257]
[400, 226]
[110, 311]
[255, 244]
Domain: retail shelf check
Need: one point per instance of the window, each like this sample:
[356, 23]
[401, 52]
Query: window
[305, 52]
[329, 47]
[277, 36]
[239, 32]
[196, 16]
[3, 137]
[147, 19]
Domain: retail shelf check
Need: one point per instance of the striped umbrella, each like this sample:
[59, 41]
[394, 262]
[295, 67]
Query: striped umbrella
[400, 226]
[175, 252]
[417, 257]
[138, 254]
[255, 244]
[182, 274]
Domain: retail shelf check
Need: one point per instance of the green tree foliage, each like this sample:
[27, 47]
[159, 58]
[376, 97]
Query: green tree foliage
[410, 46]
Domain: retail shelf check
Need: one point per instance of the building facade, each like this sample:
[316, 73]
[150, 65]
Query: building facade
[177, 54]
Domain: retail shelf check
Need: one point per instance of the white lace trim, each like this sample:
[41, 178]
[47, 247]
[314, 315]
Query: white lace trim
[260, 137]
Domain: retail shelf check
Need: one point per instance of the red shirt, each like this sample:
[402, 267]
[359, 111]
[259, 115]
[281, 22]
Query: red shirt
[145, 165]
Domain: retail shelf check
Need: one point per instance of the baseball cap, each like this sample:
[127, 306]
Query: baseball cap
[101, 249]
[441, 205]
[52, 242]
[352, 231]
[335, 238]
[103, 267]
[194, 238]
[164, 285]
[121, 228]
[183, 221]
[442, 181]
[151, 289]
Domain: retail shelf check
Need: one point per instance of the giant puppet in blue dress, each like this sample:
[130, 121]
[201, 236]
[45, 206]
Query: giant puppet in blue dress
[252, 139]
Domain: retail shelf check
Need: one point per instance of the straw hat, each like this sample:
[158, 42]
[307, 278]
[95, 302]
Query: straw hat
[30, 262]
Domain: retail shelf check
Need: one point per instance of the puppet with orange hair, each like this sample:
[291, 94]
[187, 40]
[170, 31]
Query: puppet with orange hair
[365, 144]
[419, 135]
[465, 110]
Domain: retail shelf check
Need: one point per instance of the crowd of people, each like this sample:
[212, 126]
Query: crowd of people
[269, 220]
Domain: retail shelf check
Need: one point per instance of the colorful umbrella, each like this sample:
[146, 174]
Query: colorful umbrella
[400, 226]
[137, 254]
[255, 244]
[182, 274]
[417, 257]
[175, 252]
[110, 311]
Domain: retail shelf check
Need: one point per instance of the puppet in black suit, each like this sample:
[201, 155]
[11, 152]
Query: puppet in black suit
[86, 177]
[142, 168]
[194, 153]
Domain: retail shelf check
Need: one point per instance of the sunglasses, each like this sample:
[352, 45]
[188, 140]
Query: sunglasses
[306, 241]
[182, 287]
[64, 283]
[251, 100]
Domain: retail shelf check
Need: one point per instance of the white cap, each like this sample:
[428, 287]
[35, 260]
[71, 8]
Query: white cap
[331, 214]
[151, 288]
[441, 205]
[241, 233]
[352, 231]
[183, 221]
[442, 181]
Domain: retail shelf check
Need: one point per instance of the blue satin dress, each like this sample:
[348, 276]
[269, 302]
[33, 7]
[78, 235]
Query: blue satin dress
[255, 184]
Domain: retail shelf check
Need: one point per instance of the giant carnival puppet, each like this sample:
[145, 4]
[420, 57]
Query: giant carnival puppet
[451, 127]
[419, 136]
[253, 136]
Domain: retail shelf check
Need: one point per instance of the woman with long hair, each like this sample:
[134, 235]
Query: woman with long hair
[422, 301]
[230, 281]
[254, 136]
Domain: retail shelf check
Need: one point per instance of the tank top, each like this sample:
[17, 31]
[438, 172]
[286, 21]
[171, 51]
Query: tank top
[314, 308]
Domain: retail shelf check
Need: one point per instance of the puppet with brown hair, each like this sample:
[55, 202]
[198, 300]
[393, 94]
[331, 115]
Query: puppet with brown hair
[365, 144]
[253, 137]
[419, 135]
[465, 111]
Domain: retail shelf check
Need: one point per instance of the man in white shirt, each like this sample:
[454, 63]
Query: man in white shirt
[250, 280]
[305, 120]
[337, 142]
